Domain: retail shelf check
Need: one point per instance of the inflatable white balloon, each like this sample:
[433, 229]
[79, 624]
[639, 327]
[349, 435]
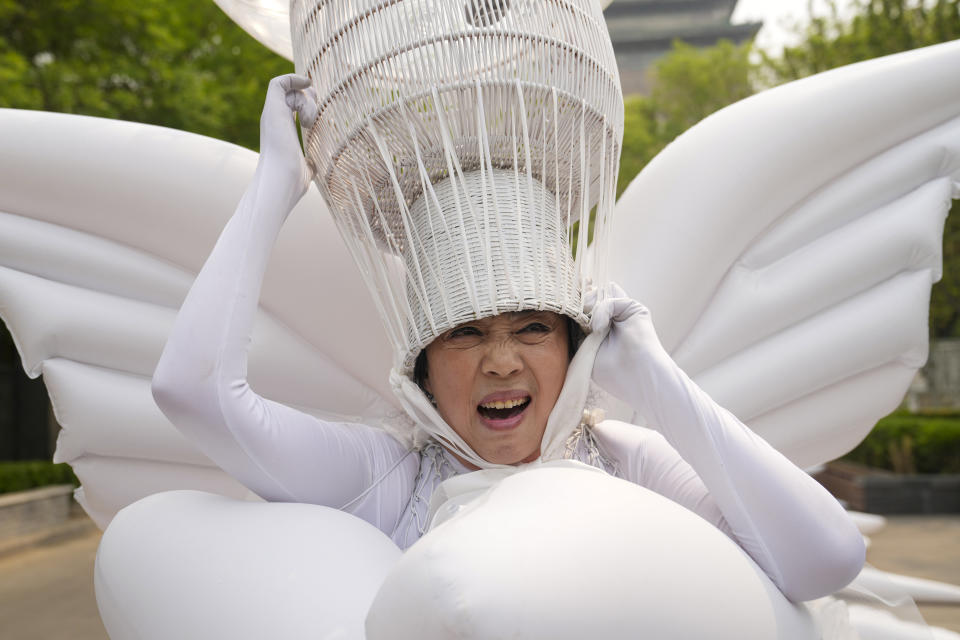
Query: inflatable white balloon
[187, 565]
[554, 553]
[572, 553]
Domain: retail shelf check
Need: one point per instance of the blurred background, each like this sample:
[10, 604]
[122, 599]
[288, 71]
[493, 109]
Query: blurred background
[184, 64]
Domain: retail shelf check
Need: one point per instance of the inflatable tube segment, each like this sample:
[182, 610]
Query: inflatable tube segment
[192, 565]
[103, 225]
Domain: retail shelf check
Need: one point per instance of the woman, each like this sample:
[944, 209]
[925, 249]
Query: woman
[495, 380]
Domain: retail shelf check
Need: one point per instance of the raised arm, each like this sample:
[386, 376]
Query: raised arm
[789, 524]
[201, 381]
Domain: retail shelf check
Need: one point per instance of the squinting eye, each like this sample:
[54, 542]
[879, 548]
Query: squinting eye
[462, 332]
[535, 327]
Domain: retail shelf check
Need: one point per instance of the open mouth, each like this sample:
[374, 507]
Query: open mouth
[503, 409]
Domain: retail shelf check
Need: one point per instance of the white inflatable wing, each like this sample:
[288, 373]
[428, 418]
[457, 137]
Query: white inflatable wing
[103, 225]
[786, 245]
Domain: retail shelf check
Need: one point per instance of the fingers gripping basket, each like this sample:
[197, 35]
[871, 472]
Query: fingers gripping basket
[458, 143]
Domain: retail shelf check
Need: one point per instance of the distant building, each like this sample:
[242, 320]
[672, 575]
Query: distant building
[643, 30]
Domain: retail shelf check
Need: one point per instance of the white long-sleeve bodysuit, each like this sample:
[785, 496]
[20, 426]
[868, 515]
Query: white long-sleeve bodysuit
[794, 530]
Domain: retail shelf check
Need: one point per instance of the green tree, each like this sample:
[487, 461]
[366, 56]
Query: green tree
[640, 140]
[175, 63]
[688, 85]
[945, 296]
[877, 28]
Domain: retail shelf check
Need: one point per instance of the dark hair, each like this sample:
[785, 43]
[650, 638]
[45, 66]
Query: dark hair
[420, 368]
[574, 338]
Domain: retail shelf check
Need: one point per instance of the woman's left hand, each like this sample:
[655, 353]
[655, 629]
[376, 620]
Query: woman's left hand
[630, 347]
[786, 521]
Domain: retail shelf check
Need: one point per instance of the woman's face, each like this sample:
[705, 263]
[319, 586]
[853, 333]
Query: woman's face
[495, 381]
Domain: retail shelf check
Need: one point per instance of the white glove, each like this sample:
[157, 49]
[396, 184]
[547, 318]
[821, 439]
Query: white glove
[631, 345]
[200, 382]
[281, 159]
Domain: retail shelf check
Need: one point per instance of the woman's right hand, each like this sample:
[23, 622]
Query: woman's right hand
[280, 152]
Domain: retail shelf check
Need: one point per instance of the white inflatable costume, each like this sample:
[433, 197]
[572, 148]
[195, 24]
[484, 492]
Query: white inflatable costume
[764, 294]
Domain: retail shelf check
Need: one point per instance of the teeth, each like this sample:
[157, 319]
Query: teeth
[503, 404]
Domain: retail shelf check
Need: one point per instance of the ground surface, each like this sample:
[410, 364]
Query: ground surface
[923, 547]
[46, 593]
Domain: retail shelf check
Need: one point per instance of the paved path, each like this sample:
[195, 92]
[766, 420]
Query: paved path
[923, 547]
[46, 593]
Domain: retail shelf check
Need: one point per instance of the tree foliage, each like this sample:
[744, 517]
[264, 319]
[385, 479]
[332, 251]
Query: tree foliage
[912, 443]
[688, 85]
[176, 63]
[945, 296]
[878, 28]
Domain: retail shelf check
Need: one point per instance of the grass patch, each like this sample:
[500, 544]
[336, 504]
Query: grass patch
[912, 443]
[30, 474]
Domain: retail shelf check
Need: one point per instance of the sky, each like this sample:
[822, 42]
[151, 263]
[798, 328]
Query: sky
[777, 15]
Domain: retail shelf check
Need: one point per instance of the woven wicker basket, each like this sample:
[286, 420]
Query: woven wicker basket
[458, 144]
[509, 98]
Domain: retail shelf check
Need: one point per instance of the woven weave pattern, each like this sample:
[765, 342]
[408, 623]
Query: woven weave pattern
[477, 265]
[457, 144]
